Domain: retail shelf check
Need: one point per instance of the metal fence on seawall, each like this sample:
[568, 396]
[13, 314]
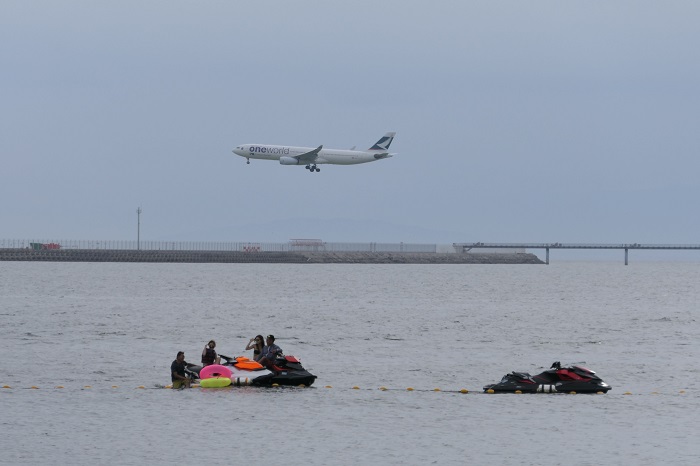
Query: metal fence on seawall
[296, 245]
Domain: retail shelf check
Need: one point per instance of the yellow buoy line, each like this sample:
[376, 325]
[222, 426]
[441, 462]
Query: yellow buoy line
[354, 387]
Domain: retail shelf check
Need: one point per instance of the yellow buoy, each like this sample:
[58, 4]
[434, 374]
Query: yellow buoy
[59, 386]
[34, 387]
[490, 390]
[436, 389]
[328, 386]
[301, 385]
[464, 390]
[627, 393]
[355, 387]
[383, 389]
[168, 386]
[518, 392]
[572, 393]
[409, 389]
[87, 386]
[115, 386]
[6, 386]
[275, 385]
[140, 386]
[682, 391]
[600, 393]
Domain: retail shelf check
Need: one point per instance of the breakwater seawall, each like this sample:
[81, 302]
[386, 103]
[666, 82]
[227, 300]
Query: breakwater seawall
[270, 257]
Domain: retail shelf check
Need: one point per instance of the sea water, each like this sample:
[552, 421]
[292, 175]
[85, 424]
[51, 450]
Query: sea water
[102, 330]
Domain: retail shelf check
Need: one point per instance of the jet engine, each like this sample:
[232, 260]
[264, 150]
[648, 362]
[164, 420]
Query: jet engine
[289, 161]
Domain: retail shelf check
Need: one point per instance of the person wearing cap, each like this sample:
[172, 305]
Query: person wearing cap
[209, 355]
[177, 372]
[269, 352]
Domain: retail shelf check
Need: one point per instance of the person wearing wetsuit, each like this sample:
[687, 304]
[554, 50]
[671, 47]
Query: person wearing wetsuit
[209, 355]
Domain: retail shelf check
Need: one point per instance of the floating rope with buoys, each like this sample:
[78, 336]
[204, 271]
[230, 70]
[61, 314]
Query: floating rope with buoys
[277, 386]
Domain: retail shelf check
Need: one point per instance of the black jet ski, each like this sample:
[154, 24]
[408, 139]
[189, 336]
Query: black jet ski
[557, 379]
[286, 370]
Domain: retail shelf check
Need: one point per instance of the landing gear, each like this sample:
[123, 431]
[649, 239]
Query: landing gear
[247, 161]
[313, 168]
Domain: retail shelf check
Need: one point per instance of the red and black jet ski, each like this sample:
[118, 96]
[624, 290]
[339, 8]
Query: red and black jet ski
[286, 370]
[557, 379]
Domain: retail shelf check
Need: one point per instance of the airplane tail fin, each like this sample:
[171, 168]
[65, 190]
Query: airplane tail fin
[384, 142]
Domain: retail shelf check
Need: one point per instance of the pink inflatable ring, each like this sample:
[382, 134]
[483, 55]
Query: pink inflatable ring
[214, 370]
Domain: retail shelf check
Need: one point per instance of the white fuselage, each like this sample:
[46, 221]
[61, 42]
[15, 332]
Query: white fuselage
[329, 156]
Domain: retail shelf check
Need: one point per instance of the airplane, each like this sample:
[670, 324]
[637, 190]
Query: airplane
[289, 155]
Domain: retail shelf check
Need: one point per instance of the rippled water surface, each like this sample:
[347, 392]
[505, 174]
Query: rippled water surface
[116, 327]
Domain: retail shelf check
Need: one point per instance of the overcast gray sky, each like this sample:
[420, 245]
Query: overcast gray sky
[518, 121]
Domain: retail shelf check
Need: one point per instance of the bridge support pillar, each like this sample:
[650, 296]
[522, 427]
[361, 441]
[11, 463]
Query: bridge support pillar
[547, 259]
[626, 255]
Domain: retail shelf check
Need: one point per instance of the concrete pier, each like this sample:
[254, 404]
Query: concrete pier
[464, 247]
[108, 255]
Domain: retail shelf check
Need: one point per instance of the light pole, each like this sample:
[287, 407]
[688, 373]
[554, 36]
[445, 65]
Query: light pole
[138, 229]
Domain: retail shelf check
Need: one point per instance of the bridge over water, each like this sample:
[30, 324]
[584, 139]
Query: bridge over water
[465, 247]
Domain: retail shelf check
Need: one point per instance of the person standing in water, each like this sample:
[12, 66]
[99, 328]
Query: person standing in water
[177, 372]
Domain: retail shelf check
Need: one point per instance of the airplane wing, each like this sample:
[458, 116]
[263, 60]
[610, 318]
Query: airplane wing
[308, 157]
